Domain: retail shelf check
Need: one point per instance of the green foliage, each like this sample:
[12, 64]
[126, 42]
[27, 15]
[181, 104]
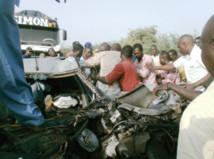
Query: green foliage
[148, 36]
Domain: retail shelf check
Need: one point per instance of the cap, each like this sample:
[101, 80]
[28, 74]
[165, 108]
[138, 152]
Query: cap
[88, 44]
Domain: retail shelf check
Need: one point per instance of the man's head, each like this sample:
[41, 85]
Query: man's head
[173, 54]
[51, 52]
[116, 47]
[198, 40]
[29, 51]
[126, 52]
[75, 42]
[185, 44]
[154, 50]
[164, 57]
[78, 49]
[138, 51]
[88, 52]
[207, 45]
[105, 47]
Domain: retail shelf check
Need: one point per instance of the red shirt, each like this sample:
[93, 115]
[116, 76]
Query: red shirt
[126, 73]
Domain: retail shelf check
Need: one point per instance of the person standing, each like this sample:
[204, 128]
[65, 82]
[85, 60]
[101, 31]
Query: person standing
[195, 71]
[169, 76]
[196, 132]
[51, 52]
[28, 53]
[146, 76]
[15, 93]
[107, 60]
[155, 55]
[124, 72]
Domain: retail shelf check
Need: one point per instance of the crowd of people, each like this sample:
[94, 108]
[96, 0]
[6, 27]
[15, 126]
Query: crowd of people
[121, 69]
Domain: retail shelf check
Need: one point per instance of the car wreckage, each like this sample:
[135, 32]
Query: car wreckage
[82, 123]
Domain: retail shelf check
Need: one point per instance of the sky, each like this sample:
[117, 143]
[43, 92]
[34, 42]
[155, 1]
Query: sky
[110, 20]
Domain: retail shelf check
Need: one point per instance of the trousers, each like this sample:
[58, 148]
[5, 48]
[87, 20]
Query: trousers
[15, 92]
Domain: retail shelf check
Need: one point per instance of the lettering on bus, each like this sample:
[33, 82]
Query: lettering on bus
[34, 21]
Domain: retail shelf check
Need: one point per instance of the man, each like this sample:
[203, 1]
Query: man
[15, 93]
[88, 52]
[147, 76]
[197, 41]
[77, 52]
[116, 47]
[72, 52]
[195, 71]
[107, 60]
[28, 53]
[171, 76]
[124, 72]
[104, 47]
[155, 55]
[196, 134]
[173, 55]
[51, 52]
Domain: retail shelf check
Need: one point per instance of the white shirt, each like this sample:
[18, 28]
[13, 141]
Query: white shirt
[193, 65]
[156, 60]
[196, 134]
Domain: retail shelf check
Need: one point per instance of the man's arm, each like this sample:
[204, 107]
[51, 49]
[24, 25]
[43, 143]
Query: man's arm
[102, 79]
[165, 67]
[112, 76]
[198, 83]
[185, 93]
[94, 61]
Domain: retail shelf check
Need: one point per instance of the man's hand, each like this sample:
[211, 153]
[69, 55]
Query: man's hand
[160, 87]
[150, 67]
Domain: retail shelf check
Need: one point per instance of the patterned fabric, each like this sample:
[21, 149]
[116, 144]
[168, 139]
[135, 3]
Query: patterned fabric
[171, 76]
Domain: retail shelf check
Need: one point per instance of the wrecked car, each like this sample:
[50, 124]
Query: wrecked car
[65, 97]
[82, 123]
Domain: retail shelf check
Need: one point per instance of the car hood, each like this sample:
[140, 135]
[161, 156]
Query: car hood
[50, 65]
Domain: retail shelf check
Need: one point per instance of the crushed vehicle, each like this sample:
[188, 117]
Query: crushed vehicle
[82, 123]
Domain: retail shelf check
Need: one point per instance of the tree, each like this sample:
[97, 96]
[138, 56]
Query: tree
[148, 36]
[145, 36]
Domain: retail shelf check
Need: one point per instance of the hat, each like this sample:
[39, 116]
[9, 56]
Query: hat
[88, 44]
[29, 49]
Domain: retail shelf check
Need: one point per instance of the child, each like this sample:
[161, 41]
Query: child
[171, 76]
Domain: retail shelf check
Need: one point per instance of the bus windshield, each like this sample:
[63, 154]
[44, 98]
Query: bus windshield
[36, 36]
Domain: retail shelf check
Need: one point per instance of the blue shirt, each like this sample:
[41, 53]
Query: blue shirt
[26, 56]
[16, 2]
